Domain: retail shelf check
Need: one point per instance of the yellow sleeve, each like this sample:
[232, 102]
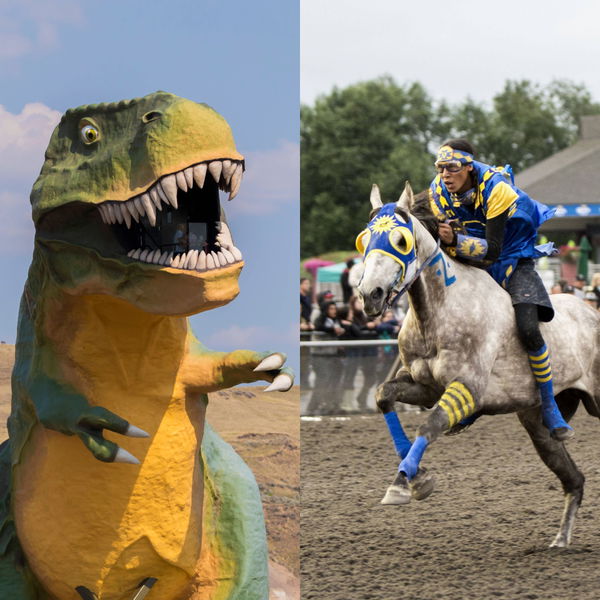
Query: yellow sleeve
[500, 199]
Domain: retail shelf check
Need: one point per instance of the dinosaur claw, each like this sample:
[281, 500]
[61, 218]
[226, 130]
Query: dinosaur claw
[282, 383]
[271, 362]
[133, 431]
[125, 457]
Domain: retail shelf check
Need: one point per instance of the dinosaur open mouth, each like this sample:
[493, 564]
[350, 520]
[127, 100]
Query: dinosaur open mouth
[178, 222]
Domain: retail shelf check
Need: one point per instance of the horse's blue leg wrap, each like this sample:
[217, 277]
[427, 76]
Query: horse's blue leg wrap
[539, 362]
[410, 464]
[401, 442]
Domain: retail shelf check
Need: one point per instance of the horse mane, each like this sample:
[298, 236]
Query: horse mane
[421, 209]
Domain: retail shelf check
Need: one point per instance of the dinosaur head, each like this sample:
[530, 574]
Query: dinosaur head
[127, 204]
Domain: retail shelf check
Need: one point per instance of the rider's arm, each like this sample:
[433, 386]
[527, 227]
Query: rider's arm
[487, 251]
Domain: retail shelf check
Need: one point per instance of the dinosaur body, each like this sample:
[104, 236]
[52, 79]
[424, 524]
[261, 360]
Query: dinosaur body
[130, 239]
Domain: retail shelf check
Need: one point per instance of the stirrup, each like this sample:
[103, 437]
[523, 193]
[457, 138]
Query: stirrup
[142, 592]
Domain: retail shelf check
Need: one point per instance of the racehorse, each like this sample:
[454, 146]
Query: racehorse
[460, 353]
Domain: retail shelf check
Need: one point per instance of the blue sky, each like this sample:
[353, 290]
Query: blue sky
[242, 58]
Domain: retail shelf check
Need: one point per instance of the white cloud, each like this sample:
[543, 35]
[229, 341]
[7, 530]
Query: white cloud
[271, 180]
[22, 143]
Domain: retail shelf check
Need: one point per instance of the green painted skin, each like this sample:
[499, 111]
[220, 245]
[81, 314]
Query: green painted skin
[139, 141]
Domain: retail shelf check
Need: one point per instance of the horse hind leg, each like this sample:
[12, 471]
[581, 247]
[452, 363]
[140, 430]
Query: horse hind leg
[557, 459]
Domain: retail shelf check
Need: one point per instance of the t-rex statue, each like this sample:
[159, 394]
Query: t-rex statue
[130, 240]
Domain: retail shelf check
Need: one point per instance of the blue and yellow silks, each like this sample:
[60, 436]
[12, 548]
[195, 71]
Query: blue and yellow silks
[495, 193]
[448, 155]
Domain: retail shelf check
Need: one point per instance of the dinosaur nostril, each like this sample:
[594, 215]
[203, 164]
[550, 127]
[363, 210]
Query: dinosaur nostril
[151, 116]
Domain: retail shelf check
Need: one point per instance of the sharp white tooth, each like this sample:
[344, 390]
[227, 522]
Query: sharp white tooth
[101, 209]
[169, 186]
[136, 254]
[139, 206]
[228, 169]
[181, 182]
[222, 260]
[144, 255]
[215, 168]
[133, 210]
[155, 197]
[189, 177]
[111, 214]
[210, 261]
[156, 256]
[163, 258]
[117, 212]
[130, 253]
[192, 260]
[228, 256]
[161, 194]
[150, 212]
[179, 261]
[236, 253]
[125, 214]
[236, 179]
[200, 174]
[201, 264]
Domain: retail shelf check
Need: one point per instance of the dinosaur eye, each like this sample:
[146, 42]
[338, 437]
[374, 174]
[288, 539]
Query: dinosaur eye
[89, 134]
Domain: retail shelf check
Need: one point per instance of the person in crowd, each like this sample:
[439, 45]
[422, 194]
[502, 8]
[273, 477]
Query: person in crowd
[578, 286]
[345, 282]
[305, 300]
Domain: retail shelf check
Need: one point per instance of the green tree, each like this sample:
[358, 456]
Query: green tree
[371, 132]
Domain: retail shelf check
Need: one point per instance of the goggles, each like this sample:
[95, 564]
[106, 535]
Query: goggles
[450, 167]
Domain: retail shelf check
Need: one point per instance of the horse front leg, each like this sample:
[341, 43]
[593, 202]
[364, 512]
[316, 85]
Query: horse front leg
[404, 389]
[457, 403]
[557, 459]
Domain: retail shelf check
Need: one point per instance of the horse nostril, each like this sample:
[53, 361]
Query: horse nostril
[377, 294]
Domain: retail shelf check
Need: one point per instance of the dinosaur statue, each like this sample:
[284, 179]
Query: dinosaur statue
[112, 486]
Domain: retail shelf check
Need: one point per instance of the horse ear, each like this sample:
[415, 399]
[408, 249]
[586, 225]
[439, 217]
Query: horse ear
[376, 197]
[406, 199]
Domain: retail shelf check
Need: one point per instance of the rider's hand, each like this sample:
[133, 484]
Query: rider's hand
[447, 234]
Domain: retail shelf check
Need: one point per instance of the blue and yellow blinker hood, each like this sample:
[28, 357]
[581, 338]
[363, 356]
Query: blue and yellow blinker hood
[377, 237]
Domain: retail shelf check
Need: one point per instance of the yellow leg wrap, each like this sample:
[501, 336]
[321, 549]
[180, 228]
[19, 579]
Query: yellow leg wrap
[457, 402]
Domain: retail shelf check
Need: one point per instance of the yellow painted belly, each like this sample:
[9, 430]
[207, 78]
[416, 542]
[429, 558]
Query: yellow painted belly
[107, 526]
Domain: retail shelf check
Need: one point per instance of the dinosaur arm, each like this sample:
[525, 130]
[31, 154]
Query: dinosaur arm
[61, 408]
[206, 371]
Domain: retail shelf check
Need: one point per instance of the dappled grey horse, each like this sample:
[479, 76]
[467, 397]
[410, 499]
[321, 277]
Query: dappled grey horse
[460, 352]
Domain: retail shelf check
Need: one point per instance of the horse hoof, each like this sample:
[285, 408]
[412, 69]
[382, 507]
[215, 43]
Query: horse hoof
[562, 434]
[397, 494]
[422, 484]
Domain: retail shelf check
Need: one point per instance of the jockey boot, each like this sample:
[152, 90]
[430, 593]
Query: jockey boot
[539, 362]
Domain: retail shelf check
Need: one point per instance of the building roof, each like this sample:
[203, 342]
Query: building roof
[571, 176]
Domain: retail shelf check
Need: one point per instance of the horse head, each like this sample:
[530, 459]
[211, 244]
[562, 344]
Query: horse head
[390, 249]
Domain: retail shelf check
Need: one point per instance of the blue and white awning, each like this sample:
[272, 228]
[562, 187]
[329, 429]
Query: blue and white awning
[577, 210]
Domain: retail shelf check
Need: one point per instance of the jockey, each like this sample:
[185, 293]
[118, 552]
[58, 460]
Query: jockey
[485, 219]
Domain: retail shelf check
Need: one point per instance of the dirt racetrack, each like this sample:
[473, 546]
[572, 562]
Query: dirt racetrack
[483, 534]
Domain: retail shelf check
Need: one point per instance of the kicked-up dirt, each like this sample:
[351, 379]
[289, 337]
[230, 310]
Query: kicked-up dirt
[482, 535]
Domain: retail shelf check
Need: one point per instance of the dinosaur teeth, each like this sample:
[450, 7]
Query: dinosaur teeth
[181, 181]
[169, 186]
[236, 179]
[193, 260]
